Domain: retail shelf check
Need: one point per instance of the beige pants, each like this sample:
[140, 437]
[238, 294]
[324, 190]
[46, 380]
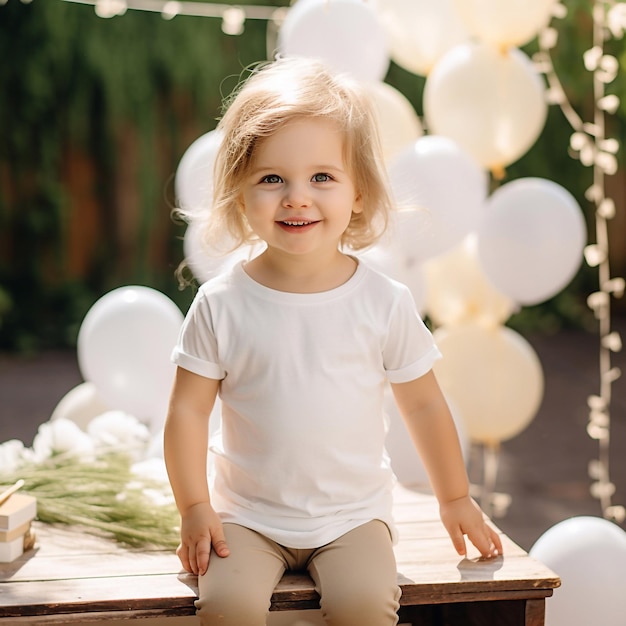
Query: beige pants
[355, 576]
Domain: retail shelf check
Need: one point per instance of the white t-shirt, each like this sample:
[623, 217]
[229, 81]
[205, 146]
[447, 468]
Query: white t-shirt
[300, 457]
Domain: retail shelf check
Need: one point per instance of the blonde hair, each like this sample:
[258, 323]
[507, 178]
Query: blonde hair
[274, 94]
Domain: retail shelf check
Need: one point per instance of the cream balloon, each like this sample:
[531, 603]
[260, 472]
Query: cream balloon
[194, 176]
[505, 24]
[441, 191]
[491, 103]
[531, 239]
[457, 291]
[80, 405]
[398, 123]
[589, 555]
[420, 31]
[346, 34]
[493, 376]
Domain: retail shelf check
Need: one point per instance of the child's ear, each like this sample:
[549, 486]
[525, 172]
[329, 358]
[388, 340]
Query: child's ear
[357, 207]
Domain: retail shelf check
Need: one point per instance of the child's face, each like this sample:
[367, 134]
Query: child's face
[299, 196]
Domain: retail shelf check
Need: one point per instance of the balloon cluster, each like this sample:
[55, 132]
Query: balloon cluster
[470, 258]
[124, 346]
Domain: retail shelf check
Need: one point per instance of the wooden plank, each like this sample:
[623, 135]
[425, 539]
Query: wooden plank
[80, 618]
[508, 614]
[441, 548]
[419, 615]
[444, 578]
[535, 612]
[80, 574]
[113, 564]
[509, 572]
[499, 613]
[502, 613]
[178, 591]
[95, 594]
[513, 570]
[421, 561]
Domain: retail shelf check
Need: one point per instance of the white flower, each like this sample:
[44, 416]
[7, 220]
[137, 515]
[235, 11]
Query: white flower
[155, 447]
[11, 455]
[61, 436]
[153, 470]
[159, 498]
[119, 432]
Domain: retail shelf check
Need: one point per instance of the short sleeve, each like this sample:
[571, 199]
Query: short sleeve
[196, 348]
[410, 350]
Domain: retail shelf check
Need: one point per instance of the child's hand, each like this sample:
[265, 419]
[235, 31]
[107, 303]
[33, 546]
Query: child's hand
[464, 517]
[201, 529]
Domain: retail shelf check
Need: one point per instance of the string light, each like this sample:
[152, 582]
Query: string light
[233, 17]
[110, 8]
[592, 148]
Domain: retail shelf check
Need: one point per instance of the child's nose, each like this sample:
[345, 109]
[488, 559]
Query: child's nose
[296, 196]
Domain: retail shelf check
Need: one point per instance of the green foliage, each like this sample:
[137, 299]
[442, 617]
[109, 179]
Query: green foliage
[125, 96]
[72, 492]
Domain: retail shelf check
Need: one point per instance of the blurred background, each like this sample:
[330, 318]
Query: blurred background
[95, 116]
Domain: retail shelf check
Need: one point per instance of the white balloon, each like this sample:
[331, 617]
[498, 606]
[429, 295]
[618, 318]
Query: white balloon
[405, 461]
[203, 264]
[589, 555]
[124, 347]
[458, 292]
[420, 31]
[206, 263]
[385, 260]
[492, 103]
[398, 123]
[412, 275]
[80, 405]
[441, 191]
[531, 239]
[493, 376]
[346, 34]
[194, 176]
[505, 24]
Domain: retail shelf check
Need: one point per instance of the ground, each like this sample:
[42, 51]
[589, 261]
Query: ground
[544, 468]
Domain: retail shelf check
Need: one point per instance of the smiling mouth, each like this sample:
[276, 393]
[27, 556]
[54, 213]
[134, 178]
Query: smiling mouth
[297, 223]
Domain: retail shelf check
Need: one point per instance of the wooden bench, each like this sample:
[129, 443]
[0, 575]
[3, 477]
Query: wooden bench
[73, 577]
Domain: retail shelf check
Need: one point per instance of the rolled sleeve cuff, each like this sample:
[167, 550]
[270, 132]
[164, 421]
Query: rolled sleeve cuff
[196, 365]
[420, 367]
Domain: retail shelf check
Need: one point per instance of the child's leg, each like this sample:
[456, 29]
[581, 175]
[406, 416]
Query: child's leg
[356, 578]
[236, 590]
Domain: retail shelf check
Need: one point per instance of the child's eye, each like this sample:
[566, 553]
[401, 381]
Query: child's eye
[272, 179]
[321, 178]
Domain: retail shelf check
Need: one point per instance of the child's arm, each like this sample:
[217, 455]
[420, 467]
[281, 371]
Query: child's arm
[185, 448]
[432, 430]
